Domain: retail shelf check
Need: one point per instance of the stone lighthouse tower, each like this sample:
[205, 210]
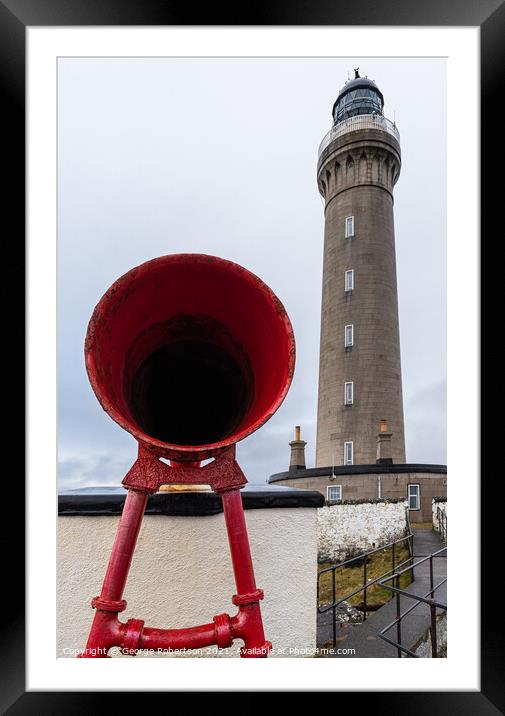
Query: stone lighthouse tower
[360, 372]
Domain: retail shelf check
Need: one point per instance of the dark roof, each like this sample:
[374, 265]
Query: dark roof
[359, 83]
[110, 500]
[384, 469]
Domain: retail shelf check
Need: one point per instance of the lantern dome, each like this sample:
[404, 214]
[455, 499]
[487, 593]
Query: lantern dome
[358, 96]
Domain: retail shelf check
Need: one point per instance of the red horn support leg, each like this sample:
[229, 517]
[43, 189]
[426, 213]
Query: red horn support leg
[146, 476]
[247, 625]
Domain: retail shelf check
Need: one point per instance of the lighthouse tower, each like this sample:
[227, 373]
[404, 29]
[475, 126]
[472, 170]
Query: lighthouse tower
[360, 371]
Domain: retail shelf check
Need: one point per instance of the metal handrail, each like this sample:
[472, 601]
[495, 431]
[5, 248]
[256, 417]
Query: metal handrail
[322, 609]
[361, 121]
[426, 599]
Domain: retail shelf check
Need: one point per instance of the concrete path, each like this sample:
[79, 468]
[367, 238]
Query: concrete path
[363, 638]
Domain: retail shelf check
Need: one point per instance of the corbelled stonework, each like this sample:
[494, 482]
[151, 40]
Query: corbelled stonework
[357, 171]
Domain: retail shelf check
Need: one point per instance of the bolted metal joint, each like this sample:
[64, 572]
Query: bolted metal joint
[108, 605]
[131, 639]
[222, 628]
[249, 598]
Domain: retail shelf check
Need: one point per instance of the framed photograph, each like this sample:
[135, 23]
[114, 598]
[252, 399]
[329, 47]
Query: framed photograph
[260, 172]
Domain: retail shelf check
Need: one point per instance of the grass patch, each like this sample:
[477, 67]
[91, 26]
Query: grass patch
[350, 577]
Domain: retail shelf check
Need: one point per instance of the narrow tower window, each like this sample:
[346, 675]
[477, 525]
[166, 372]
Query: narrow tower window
[349, 280]
[349, 227]
[349, 336]
[348, 453]
[349, 393]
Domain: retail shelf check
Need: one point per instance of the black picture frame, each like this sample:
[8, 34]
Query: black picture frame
[15, 17]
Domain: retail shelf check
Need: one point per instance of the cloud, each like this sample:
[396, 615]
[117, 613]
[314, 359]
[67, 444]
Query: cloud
[426, 424]
[87, 470]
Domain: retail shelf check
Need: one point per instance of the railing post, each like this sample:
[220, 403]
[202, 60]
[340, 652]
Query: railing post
[334, 609]
[364, 586]
[393, 567]
[398, 615]
[431, 576]
[412, 572]
[434, 645]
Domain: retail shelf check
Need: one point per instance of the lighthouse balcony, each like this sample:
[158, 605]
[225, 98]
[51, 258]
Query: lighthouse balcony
[359, 122]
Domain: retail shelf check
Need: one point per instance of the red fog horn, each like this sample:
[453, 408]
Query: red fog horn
[190, 354]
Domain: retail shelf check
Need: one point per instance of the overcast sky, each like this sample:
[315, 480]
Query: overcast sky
[218, 156]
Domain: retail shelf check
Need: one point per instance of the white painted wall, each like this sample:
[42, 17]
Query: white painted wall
[346, 530]
[181, 575]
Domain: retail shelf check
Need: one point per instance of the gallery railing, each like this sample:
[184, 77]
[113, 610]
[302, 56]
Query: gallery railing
[361, 121]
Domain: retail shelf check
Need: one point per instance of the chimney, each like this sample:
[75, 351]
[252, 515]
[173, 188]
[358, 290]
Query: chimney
[384, 451]
[297, 461]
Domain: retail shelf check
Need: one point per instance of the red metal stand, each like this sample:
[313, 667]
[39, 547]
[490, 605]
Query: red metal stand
[190, 354]
[146, 476]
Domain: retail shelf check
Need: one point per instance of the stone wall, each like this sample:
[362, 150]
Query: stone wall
[368, 482]
[345, 530]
